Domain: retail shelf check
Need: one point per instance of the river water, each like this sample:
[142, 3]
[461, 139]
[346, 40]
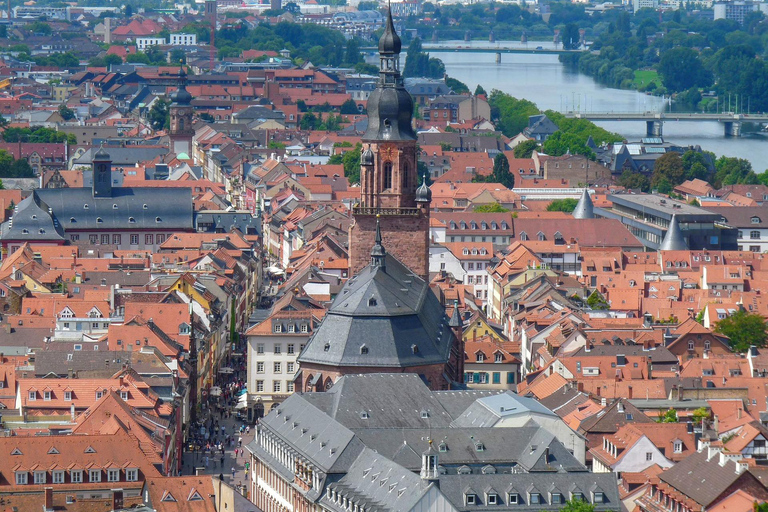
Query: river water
[545, 81]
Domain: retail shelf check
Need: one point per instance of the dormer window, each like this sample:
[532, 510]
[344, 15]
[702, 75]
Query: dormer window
[114, 206]
[158, 219]
[278, 328]
[678, 446]
[755, 220]
[47, 396]
[85, 207]
[304, 328]
[479, 447]
[32, 396]
[372, 302]
[470, 498]
[363, 350]
[131, 220]
[145, 206]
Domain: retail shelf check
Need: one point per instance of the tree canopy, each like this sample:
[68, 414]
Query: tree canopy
[563, 205]
[743, 330]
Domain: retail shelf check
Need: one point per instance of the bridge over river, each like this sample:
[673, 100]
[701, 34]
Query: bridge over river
[655, 120]
[498, 50]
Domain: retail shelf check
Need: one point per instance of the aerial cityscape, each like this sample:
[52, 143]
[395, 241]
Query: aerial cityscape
[367, 256]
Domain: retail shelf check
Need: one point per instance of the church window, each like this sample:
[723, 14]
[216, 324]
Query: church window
[387, 175]
[406, 177]
[181, 123]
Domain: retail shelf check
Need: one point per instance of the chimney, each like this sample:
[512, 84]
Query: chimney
[713, 449]
[603, 402]
[48, 507]
[72, 412]
[649, 363]
[117, 499]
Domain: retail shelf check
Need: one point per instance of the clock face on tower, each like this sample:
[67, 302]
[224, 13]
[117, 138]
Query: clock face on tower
[389, 151]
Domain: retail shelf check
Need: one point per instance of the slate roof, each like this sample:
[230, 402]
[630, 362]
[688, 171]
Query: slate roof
[31, 221]
[455, 486]
[487, 411]
[173, 208]
[123, 155]
[327, 443]
[673, 239]
[584, 208]
[364, 485]
[392, 313]
[523, 446]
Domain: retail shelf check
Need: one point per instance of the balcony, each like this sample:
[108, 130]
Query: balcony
[384, 212]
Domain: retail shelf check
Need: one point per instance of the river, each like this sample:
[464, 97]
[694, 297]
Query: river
[545, 81]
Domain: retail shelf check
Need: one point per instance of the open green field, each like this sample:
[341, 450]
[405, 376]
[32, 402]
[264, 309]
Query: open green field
[646, 76]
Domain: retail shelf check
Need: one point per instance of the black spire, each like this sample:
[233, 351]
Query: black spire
[181, 96]
[378, 252]
[390, 107]
[389, 41]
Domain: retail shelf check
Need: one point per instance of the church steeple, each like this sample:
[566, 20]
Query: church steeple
[378, 253]
[390, 107]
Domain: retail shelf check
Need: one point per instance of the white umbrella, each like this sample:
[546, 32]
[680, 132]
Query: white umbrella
[226, 369]
[215, 391]
[241, 405]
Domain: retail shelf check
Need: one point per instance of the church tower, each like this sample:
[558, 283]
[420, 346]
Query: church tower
[102, 174]
[388, 172]
[181, 112]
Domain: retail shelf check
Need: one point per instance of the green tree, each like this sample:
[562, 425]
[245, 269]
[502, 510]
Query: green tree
[490, 208]
[511, 114]
[420, 64]
[480, 91]
[112, 60]
[669, 416]
[501, 172]
[40, 27]
[681, 68]
[351, 161]
[159, 115]
[308, 122]
[526, 148]
[577, 505]
[352, 55]
[743, 330]
[562, 205]
[65, 112]
[668, 167]
[571, 37]
[734, 171]
[634, 180]
[349, 107]
[178, 56]
[446, 146]
[702, 413]
[128, 10]
[457, 86]
[597, 301]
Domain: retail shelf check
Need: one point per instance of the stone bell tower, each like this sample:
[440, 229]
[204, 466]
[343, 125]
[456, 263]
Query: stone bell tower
[181, 112]
[388, 173]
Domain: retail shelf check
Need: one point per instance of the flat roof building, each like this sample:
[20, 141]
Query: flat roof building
[648, 217]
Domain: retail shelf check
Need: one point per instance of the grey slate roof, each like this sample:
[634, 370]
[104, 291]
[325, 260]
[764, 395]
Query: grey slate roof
[173, 207]
[328, 444]
[363, 485]
[487, 411]
[673, 239]
[218, 221]
[390, 401]
[523, 447]
[584, 208]
[455, 486]
[123, 155]
[31, 221]
[391, 312]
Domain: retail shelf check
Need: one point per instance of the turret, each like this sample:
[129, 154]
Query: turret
[429, 461]
[673, 239]
[584, 208]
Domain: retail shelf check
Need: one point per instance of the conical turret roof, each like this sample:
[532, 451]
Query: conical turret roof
[674, 239]
[584, 208]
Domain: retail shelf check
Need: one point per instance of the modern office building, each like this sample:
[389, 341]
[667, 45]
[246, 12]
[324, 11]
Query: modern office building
[648, 217]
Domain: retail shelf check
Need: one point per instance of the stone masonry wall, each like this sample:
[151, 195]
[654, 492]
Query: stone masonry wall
[404, 237]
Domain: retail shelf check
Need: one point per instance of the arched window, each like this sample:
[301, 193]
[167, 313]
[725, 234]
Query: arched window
[328, 384]
[387, 175]
[181, 123]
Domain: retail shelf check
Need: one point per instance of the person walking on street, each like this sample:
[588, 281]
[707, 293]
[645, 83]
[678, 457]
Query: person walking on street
[240, 441]
[233, 472]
